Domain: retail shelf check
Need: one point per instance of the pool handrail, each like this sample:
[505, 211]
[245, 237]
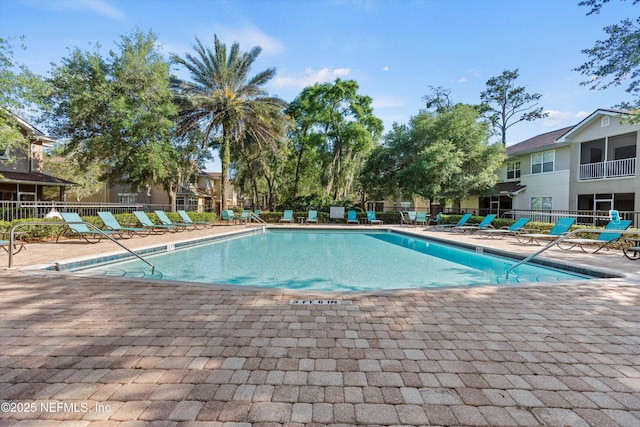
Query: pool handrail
[88, 224]
[562, 238]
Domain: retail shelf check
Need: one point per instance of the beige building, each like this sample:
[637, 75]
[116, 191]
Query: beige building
[203, 196]
[21, 170]
[587, 167]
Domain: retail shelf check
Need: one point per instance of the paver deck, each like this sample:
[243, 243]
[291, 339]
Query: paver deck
[93, 351]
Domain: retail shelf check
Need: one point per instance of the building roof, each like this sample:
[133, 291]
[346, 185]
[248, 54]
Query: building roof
[538, 141]
[33, 178]
[211, 174]
[590, 118]
[512, 187]
[31, 131]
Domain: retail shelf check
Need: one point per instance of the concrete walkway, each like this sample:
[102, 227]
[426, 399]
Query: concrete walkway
[81, 351]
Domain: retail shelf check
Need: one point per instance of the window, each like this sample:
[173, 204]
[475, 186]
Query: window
[541, 203]
[513, 170]
[542, 162]
[4, 154]
[127, 197]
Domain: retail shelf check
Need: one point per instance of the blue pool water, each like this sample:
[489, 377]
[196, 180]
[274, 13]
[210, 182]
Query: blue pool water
[326, 260]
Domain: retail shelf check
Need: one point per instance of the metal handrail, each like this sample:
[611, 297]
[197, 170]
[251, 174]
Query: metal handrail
[12, 233]
[257, 219]
[564, 237]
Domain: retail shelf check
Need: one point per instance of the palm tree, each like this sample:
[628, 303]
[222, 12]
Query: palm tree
[222, 101]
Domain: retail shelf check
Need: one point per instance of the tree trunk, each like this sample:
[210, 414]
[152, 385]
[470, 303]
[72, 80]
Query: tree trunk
[296, 182]
[225, 159]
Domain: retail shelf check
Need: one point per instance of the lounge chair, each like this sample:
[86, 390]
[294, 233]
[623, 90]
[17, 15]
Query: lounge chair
[421, 218]
[228, 215]
[312, 216]
[449, 227]
[409, 219]
[602, 241]
[149, 225]
[111, 223]
[288, 216]
[352, 217]
[77, 227]
[256, 214]
[187, 219]
[633, 250]
[484, 224]
[165, 220]
[561, 227]
[435, 220]
[501, 233]
[17, 246]
[245, 217]
[371, 217]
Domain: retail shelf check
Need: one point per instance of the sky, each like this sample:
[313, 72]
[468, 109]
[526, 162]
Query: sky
[396, 50]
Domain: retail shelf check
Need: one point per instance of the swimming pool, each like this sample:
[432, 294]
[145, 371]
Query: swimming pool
[332, 260]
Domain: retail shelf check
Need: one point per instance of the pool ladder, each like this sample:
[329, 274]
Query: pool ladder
[88, 224]
[564, 237]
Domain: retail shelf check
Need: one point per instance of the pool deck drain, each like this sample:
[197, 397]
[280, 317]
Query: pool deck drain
[154, 352]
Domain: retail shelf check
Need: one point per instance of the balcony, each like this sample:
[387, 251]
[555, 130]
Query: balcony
[610, 169]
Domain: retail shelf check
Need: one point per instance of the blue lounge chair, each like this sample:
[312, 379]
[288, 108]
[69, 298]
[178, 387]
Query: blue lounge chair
[77, 227]
[409, 219]
[421, 218]
[228, 215]
[312, 216]
[165, 220]
[435, 220]
[187, 219]
[17, 246]
[561, 227]
[288, 216]
[484, 224]
[149, 225]
[449, 227]
[500, 233]
[256, 214]
[245, 217]
[352, 217]
[602, 241]
[371, 218]
[111, 223]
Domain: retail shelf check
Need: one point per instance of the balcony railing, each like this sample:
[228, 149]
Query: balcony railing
[610, 169]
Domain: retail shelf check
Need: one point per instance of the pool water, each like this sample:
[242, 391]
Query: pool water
[324, 260]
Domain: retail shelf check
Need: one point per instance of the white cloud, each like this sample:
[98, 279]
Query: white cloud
[101, 7]
[463, 80]
[385, 68]
[310, 77]
[562, 118]
[248, 37]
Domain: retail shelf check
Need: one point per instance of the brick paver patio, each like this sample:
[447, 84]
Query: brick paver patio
[90, 351]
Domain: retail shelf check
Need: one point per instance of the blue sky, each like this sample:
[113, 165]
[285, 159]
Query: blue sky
[395, 50]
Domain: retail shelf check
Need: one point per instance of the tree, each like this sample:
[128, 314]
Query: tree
[338, 124]
[87, 179]
[222, 101]
[116, 111]
[441, 154]
[506, 104]
[20, 90]
[616, 60]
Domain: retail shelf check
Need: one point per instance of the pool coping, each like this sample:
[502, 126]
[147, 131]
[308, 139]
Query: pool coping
[63, 267]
